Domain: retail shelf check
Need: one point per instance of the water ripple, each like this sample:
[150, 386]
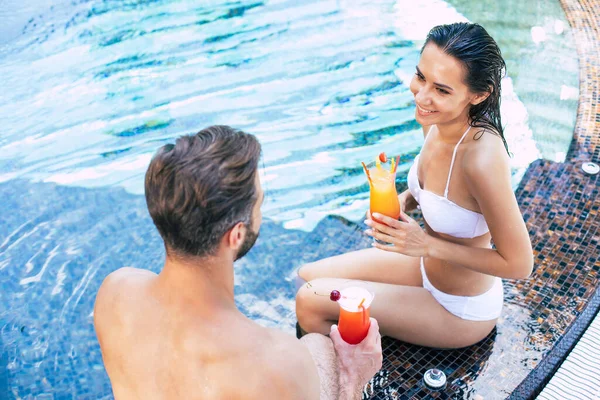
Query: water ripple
[308, 77]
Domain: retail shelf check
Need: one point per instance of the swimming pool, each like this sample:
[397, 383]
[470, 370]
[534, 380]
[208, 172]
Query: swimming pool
[93, 88]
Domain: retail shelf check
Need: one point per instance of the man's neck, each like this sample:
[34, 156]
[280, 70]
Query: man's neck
[206, 282]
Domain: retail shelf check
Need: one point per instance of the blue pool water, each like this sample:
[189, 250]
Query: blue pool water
[92, 88]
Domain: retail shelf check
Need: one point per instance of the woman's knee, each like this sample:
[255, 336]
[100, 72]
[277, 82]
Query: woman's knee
[308, 312]
[303, 301]
[303, 308]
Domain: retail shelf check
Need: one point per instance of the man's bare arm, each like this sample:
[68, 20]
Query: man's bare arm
[357, 363]
[344, 369]
[322, 352]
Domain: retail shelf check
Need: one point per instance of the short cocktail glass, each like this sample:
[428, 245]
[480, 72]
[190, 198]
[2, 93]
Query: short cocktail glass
[383, 194]
[354, 321]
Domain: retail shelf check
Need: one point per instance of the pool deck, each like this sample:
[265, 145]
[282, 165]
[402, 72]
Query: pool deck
[545, 315]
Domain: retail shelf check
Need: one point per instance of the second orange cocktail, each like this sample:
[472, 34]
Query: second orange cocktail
[354, 319]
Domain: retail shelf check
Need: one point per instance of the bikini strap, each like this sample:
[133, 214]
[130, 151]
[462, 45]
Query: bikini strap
[425, 141]
[428, 132]
[452, 162]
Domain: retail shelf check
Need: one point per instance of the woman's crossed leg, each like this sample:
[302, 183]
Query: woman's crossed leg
[403, 308]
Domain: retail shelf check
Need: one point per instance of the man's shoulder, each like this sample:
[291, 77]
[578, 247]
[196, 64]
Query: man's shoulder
[122, 278]
[116, 284]
[127, 272]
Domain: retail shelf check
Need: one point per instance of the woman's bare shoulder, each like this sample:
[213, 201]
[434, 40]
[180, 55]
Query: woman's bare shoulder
[486, 150]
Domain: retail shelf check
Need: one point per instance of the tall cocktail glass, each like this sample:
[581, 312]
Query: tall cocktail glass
[354, 321]
[383, 194]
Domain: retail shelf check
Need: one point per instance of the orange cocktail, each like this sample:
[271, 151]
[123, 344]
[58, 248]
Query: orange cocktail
[384, 198]
[354, 321]
[382, 183]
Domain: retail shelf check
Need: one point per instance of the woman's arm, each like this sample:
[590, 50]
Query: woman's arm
[489, 183]
[486, 261]
[488, 177]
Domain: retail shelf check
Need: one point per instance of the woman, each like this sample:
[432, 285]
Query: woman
[440, 287]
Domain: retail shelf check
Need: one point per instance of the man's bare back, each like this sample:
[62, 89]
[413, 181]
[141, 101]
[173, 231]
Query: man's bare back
[156, 346]
[179, 334]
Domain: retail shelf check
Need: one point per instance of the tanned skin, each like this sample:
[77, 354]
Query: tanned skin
[179, 335]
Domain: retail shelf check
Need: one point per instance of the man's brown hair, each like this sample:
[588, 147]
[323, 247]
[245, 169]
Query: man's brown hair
[200, 187]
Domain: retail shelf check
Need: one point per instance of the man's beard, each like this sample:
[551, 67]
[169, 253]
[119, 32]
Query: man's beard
[249, 241]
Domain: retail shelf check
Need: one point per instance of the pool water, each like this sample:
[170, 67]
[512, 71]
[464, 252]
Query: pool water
[92, 88]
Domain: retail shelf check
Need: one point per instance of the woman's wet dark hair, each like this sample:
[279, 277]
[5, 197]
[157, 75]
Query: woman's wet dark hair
[484, 68]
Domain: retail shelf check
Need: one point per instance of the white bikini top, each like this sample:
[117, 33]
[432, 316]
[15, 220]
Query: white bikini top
[442, 215]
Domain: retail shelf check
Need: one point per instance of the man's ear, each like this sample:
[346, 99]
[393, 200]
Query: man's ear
[236, 235]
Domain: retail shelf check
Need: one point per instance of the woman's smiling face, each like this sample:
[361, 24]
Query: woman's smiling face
[441, 96]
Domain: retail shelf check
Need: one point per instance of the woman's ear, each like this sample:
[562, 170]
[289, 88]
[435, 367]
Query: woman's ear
[480, 97]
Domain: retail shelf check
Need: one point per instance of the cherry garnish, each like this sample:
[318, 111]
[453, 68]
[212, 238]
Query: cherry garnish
[335, 295]
[382, 157]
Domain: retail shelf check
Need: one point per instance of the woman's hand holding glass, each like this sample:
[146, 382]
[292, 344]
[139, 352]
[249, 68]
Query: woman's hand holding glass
[405, 236]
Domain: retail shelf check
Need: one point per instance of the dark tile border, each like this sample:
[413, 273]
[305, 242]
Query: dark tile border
[584, 18]
[541, 375]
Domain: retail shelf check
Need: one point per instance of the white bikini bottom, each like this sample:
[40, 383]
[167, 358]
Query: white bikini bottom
[483, 307]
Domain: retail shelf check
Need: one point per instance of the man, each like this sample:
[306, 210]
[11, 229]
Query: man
[178, 334]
